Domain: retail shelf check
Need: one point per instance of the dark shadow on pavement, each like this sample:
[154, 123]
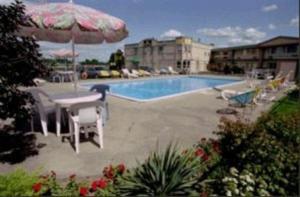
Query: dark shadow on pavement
[16, 145]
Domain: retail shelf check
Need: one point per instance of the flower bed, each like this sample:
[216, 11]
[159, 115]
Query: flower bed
[248, 159]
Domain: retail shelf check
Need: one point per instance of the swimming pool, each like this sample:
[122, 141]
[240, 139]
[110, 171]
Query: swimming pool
[155, 89]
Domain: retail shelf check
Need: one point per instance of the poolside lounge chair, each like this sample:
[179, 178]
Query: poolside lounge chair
[104, 73]
[243, 98]
[163, 71]
[171, 71]
[137, 73]
[155, 72]
[115, 73]
[144, 73]
[103, 89]
[43, 111]
[85, 117]
[127, 74]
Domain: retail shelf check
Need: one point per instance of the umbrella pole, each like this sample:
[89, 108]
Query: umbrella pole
[74, 65]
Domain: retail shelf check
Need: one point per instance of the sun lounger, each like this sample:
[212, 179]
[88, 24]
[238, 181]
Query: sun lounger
[127, 74]
[115, 73]
[104, 73]
[137, 73]
[244, 98]
[171, 71]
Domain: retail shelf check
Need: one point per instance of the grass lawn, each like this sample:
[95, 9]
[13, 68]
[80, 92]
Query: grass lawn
[288, 104]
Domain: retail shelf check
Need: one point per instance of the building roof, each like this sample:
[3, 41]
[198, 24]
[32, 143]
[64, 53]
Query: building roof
[278, 40]
[235, 47]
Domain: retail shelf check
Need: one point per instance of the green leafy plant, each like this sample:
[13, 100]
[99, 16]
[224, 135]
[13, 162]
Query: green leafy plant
[169, 173]
[18, 183]
[20, 63]
[267, 148]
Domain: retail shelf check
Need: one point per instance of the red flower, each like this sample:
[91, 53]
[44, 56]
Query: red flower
[199, 152]
[72, 176]
[83, 191]
[102, 183]
[94, 185]
[216, 146]
[205, 157]
[37, 187]
[109, 172]
[121, 168]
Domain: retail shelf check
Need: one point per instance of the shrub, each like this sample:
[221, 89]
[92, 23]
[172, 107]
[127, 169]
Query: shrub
[166, 174]
[20, 63]
[268, 149]
[18, 183]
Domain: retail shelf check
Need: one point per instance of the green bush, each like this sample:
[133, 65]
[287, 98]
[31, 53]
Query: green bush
[268, 149]
[18, 183]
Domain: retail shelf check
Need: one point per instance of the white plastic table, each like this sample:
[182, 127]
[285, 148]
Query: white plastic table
[65, 100]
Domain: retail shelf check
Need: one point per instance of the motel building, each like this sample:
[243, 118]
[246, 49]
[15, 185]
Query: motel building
[181, 53]
[277, 54]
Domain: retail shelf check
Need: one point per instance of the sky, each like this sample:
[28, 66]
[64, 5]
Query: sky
[224, 23]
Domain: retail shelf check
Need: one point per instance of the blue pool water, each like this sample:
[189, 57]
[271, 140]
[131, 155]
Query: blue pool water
[151, 89]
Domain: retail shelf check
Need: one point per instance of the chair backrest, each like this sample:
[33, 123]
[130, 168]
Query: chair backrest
[101, 88]
[87, 112]
[36, 94]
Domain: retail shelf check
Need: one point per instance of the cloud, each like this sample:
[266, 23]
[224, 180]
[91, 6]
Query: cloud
[269, 8]
[234, 35]
[172, 33]
[272, 26]
[295, 21]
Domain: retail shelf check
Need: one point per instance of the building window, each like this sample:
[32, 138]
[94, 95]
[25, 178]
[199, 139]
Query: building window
[178, 64]
[273, 50]
[160, 49]
[135, 50]
[292, 49]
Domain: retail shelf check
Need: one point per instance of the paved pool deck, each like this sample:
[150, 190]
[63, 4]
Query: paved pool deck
[133, 131]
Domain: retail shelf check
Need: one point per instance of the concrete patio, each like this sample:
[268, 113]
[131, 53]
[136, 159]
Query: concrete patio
[134, 130]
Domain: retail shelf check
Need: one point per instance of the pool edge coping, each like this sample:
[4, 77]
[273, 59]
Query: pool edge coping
[173, 95]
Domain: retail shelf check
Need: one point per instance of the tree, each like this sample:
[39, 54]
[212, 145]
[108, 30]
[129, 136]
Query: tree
[92, 62]
[117, 60]
[20, 63]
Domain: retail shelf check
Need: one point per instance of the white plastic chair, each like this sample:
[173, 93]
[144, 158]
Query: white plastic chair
[83, 117]
[43, 111]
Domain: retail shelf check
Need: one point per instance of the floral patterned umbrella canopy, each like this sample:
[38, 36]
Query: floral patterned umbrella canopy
[62, 22]
[65, 22]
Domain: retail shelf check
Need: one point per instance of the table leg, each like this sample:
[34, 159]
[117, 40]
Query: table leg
[58, 119]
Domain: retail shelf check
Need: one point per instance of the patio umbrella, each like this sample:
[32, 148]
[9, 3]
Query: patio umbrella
[65, 22]
[63, 54]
